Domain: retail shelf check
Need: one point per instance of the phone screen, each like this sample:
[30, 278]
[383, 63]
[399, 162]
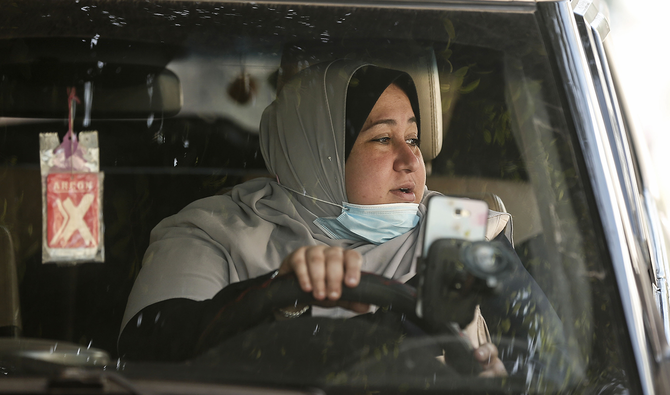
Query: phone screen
[451, 217]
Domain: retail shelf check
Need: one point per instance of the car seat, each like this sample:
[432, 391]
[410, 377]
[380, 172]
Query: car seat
[10, 309]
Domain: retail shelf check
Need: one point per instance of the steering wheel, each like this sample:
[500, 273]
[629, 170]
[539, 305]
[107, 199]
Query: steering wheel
[255, 304]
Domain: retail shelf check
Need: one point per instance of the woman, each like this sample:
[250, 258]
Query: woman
[313, 220]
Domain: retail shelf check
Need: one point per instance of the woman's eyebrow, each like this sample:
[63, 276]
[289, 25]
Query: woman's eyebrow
[388, 121]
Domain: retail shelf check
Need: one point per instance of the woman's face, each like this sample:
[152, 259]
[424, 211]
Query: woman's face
[385, 164]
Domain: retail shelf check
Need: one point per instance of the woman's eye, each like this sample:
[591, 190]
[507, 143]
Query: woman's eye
[413, 142]
[383, 139]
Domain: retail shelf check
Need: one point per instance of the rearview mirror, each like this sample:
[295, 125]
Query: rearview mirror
[114, 80]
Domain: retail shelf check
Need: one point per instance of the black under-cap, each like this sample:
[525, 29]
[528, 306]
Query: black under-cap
[365, 87]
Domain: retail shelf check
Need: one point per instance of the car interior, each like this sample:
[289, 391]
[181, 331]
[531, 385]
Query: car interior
[154, 170]
[198, 136]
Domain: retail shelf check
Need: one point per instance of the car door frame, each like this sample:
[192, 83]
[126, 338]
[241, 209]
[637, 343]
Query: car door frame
[576, 30]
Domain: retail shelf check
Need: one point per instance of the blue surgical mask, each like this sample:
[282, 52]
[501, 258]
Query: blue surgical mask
[375, 223]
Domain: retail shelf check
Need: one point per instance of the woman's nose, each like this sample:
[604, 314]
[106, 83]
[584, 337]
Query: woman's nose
[406, 158]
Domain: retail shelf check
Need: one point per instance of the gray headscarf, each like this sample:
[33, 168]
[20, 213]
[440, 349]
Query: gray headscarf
[228, 238]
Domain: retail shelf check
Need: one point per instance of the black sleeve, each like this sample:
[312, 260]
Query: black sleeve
[169, 330]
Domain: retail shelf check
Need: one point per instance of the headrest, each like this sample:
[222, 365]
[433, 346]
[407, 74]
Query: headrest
[417, 61]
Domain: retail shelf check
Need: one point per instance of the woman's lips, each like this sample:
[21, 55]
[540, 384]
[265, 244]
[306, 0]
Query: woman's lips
[405, 194]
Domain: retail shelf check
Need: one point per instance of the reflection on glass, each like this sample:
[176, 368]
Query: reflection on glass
[214, 69]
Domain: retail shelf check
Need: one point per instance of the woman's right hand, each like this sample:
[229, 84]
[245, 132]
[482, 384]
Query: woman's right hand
[322, 270]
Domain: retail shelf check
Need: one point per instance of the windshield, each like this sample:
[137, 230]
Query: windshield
[177, 93]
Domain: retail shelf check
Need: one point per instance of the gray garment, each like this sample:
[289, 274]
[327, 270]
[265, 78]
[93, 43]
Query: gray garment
[224, 239]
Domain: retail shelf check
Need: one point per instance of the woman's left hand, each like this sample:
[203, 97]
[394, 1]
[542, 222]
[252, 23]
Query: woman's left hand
[487, 356]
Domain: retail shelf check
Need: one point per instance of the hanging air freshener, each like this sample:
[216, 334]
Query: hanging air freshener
[72, 230]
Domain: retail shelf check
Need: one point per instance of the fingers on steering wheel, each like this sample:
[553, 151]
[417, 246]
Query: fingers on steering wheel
[296, 262]
[353, 261]
[494, 369]
[485, 353]
[322, 270]
[317, 272]
[487, 356]
[334, 258]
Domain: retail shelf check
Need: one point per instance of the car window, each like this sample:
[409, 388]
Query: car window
[505, 135]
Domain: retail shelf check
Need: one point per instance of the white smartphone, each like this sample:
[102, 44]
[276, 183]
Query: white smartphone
[451, 217]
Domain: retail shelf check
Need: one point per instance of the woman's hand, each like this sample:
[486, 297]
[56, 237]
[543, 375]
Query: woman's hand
[322, 270]
[487, 356]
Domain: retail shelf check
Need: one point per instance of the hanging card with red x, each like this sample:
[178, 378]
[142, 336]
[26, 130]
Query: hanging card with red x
[72, 183]
[73, 210]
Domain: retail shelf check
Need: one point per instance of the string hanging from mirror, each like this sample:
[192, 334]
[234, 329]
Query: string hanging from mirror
[70, 136]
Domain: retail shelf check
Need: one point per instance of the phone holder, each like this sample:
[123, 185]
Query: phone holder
[456, 275]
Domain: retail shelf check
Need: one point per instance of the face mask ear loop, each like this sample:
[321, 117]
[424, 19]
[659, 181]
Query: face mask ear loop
[315, 198]
[311, 197]
[72, 108]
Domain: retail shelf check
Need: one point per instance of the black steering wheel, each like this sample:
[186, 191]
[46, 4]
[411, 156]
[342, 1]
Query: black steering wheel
[257, 303]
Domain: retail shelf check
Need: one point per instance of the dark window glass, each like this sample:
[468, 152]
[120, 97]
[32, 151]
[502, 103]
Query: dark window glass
[505, 132]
